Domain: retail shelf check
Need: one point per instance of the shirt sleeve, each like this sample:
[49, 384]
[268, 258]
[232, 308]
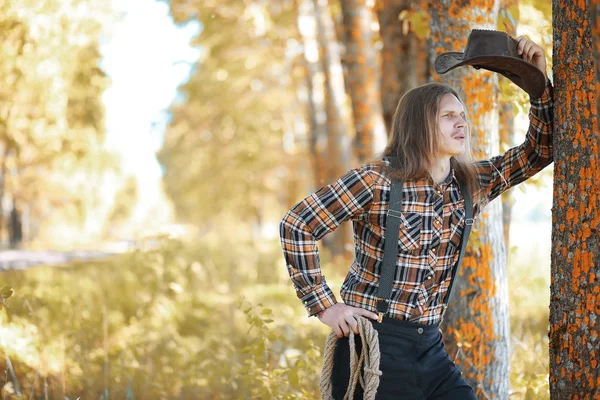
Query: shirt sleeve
[311, 219]
[520, 163]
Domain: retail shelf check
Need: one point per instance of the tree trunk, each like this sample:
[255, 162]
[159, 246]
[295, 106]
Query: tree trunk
[317, 136]
[575, 284]
[507, 137]
[507, 118]
[339, 152]
[476, 326]
[405, 61]
[362, 76]
[300, 173]
[594, 10]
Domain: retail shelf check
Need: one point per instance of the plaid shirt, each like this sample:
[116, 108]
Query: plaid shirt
[430, 233]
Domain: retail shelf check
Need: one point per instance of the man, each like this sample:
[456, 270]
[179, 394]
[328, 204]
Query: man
[430, 140]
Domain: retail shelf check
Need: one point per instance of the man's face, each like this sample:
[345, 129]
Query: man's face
[452, 127]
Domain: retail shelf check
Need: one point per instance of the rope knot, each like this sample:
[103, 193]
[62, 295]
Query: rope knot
[373, 371]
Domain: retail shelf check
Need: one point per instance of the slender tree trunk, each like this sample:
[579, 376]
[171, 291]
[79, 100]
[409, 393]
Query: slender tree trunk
[476, 326]
[362, 76]
[339, 151]
[507, 118]
[316, 130]
[300, 172]
[315, 110]
[575, 284]
[507, 136]
[405, 61]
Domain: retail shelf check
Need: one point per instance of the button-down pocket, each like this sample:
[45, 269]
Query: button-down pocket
[409, 237]
[457, 226]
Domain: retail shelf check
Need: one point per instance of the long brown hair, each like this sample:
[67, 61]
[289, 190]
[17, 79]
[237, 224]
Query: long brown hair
[414, 137]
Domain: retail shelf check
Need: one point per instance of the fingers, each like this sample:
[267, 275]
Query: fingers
[534, 51]
[342, 318]
[521, 42]
[344, 328]
[366, 313]
[338, 331]
[527, 49]
[352, 324]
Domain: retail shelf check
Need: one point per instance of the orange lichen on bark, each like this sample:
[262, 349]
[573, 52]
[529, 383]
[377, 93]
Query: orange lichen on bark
[473, 328]
[575, 287]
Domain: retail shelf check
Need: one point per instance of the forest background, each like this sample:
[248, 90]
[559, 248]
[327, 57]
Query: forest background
[174, 135]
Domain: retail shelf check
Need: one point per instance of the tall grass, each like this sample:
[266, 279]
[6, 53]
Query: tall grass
[209, 320]
[529, 300]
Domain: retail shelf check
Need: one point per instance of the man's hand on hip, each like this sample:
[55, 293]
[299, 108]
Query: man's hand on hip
[340, 318]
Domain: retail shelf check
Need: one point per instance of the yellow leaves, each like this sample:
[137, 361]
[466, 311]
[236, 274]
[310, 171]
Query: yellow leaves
[508, 18]
[417, 20]
[5, 293]
[259, 18]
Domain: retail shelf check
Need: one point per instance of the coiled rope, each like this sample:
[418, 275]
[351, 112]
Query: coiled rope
[368, 361]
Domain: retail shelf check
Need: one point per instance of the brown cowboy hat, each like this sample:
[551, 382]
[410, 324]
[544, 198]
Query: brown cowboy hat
[495, 51]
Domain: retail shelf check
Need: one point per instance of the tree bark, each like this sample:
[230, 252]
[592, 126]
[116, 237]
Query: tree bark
[575, 284]
[339, 152]
[594, 11]
[405, 61]
[317, 136]
[507, 136]
[362, 76]
[507, 117]
[476, 326]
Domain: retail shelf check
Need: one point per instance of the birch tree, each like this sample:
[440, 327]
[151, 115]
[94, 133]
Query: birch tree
[476, 327]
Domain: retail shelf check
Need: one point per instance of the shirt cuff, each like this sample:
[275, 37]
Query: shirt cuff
[318, 299]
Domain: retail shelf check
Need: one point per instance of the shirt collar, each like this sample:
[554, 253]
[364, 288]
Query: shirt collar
[450, 177]
[448, 180]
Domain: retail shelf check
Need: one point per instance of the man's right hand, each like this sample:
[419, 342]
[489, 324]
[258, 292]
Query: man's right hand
[340, 318]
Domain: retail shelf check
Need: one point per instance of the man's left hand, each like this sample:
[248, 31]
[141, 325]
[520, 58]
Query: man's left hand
[532, 53]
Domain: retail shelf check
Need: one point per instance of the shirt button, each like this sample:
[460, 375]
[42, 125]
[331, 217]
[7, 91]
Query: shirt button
[429, 277]
[434, 250]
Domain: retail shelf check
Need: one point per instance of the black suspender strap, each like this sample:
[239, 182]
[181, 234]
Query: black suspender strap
[390, 250]
[465, 237]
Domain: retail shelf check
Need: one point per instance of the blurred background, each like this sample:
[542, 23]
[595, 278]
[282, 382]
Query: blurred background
[155, 146]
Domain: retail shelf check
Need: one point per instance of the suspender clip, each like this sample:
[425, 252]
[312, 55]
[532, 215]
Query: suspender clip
[469, 221]
[394, 213]
[382, 308]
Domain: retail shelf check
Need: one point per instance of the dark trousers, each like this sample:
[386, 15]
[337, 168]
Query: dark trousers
[414, 365]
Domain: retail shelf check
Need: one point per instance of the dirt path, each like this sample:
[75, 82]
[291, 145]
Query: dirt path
[22, 259]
